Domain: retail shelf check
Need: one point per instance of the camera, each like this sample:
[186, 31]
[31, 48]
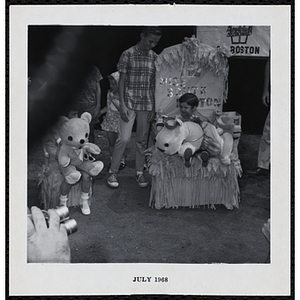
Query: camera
[63, 212]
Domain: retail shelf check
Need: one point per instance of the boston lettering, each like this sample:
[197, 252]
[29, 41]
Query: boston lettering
[244, 49]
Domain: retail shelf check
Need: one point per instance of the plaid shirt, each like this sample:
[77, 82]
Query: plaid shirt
[140, 82]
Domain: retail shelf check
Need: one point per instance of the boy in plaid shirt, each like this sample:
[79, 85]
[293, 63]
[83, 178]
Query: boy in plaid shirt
[136, 93]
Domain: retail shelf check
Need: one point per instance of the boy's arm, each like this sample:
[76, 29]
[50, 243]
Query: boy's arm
[123, 108]
[151, 115]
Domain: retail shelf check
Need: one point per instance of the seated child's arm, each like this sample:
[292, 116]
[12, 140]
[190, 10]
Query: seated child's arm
[199, 117]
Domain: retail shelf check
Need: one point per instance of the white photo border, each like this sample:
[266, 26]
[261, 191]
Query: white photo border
[116, 279]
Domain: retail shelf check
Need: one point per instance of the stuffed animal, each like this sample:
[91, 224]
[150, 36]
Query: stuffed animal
[75, 160]
[176, 136]
[185, 138]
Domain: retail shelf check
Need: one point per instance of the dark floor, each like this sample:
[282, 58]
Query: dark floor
[122, 228]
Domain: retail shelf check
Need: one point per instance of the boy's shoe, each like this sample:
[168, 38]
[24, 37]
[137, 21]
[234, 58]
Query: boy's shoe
[112, 180]
[122, 165]
[85, 209]
[204, 156]
[141, 180]
[188, 157]
[258, 172]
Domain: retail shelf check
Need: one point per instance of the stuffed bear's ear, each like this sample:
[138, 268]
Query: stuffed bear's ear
[86, 116]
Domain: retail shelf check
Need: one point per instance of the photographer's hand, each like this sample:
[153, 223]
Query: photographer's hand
[46, 245]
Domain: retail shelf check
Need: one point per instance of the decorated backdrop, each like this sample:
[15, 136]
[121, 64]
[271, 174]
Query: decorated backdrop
[191, 67]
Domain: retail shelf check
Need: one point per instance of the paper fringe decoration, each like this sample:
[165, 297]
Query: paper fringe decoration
[191, 49]
[174, 185]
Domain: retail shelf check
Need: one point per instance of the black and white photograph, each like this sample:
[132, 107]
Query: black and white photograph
[150, 146]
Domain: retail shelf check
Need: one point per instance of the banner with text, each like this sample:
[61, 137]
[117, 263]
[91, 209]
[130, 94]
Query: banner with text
[253, 41]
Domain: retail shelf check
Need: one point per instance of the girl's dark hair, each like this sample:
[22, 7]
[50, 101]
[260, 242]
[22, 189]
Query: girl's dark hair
[155, 30]
[190, 99]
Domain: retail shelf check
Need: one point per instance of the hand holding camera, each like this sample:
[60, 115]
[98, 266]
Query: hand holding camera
[47, 235]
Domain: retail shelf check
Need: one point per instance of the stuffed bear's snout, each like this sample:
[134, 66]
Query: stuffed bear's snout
[82, 141]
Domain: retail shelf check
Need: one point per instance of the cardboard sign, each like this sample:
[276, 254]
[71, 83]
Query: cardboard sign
[253, 41]
[191, 67]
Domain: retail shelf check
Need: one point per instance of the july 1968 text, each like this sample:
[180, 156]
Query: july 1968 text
[150, 279]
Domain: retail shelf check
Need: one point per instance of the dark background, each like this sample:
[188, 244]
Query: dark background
[245, 87]
[103, 45]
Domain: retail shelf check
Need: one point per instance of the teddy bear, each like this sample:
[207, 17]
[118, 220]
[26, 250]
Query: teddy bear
[175, 136]
[75, 159]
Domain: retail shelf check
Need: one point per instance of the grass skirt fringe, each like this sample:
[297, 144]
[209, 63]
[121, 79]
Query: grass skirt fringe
[174, 185]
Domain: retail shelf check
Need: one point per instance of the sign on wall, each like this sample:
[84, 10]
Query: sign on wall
[191, 67]
[253, 41]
